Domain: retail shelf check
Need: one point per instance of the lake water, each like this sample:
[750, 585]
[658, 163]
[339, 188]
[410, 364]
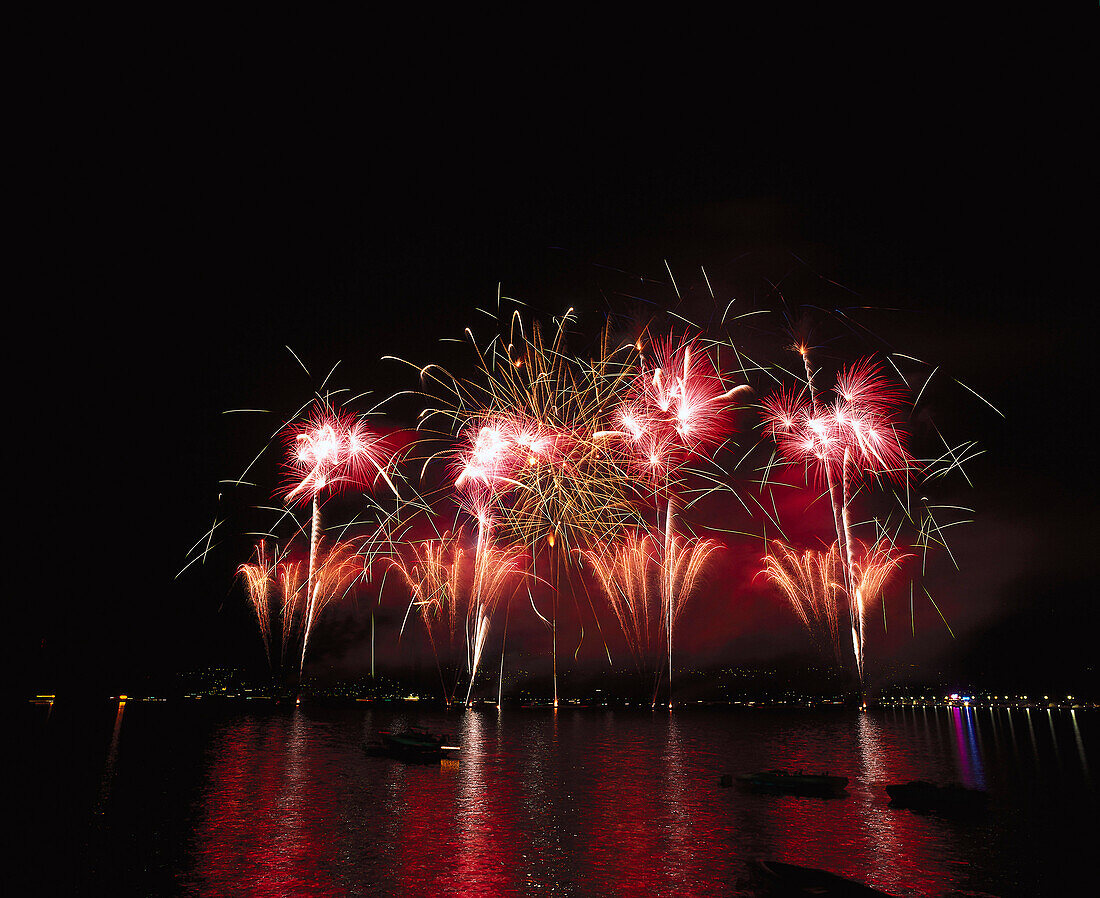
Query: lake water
[248, 799]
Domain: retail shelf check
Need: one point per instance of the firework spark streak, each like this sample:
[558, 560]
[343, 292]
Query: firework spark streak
[441, 583]
[495, 575]
[871, 568]
[647, 585]
[290, 581]
[684, 561]
[329, 453]
[434, 576]
[275, 589]
[338, 568]
[812, 581]
[259, 580]
[860, 433]
[625, 573]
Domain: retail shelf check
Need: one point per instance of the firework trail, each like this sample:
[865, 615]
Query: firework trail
[289, 576]
[812, 581]
[434, 576]
[858, 434]
[338, 567]
[676, 408]
[328, 453]
[625, 572]
[647, 583]
[684, 561]
[495, 575]
[871, 568]
[443, 580]
[269, 579]
[259, 577]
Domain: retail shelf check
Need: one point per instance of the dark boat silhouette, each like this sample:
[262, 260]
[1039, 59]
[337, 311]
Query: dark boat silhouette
[919, 795]
[790, 879]
[412, 744]
[795, 782]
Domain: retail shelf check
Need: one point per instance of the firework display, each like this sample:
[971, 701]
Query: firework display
[816, 587]
[329, 453]
[276, 591]
[858, 435]
[261, 584]
[443, 581]
[553, 471]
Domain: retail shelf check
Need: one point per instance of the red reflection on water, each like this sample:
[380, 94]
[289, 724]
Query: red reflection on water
[257, 835]
[621, 831]
[650, 829]
[489, 844]
[109, 768]
[577, 803]
[458, 832]
[858, 836]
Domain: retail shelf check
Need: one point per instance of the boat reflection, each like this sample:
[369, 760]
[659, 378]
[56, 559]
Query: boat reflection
[608, 803]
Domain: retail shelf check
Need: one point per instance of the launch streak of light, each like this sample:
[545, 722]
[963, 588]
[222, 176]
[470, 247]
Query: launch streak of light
[860, 433]
[338, 569]
[259, 580]
[648, 584]
[812, 582]
[328, 453]
[445, 582]
[434, 575]
[495, 576]
[684, 560]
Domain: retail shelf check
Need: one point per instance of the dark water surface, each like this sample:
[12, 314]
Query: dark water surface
[250, 799]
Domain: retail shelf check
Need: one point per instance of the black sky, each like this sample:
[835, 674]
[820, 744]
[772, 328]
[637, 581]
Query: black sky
[196, 205]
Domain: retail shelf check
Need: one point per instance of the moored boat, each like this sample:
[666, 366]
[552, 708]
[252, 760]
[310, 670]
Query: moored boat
[795, 781]
[919, 795]
[791, 879]
[412, 744]
[413, 739]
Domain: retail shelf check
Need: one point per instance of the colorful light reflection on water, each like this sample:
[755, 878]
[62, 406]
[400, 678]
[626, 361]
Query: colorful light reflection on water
[284, 801]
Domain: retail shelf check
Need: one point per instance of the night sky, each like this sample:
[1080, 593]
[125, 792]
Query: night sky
[195, 208]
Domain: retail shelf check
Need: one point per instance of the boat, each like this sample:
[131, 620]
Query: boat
[795, 782]
[790, 879]
[414, 739]
[412, 744]
[919, 795]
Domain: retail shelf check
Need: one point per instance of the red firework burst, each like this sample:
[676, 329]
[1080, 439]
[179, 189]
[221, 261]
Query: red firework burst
[331, 451]
[862, 427]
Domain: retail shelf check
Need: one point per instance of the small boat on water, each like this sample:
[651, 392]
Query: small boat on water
[414, 739]
[412, 744]
[919, 795]
[795, 782]
[790, 879]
